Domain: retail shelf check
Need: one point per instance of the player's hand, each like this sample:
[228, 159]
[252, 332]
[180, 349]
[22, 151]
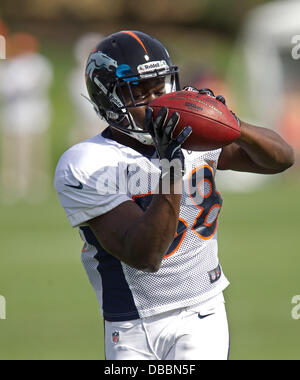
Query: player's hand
[167, 147]
[208, 91]
[203, 91]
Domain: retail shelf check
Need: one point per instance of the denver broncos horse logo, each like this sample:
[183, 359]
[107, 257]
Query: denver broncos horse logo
[98, 61]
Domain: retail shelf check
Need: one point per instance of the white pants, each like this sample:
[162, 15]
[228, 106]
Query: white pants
[190, 333]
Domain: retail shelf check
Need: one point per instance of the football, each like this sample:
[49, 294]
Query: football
[214, 126]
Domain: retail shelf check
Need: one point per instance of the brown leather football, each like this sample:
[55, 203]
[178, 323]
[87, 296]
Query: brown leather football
[214, 126]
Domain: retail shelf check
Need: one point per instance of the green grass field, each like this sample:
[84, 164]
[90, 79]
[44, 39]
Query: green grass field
[52, 312]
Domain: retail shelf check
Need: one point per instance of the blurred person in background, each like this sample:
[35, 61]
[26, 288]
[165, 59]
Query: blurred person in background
[266, 80]
[272, 72]
[87, 123]
[25, 78]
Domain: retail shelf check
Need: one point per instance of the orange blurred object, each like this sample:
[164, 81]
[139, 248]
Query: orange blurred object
[21, 43]
[3, 29]
[290, 120]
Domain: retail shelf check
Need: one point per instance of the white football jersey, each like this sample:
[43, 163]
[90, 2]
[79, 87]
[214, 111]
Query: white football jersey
[99, 174]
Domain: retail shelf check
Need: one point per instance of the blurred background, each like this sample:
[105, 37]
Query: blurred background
[248, 51]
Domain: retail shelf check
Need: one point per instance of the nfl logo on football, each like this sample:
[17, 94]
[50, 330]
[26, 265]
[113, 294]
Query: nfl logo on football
[115, 337]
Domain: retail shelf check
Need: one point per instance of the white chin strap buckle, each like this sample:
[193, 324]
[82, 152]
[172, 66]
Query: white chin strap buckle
[145, 139]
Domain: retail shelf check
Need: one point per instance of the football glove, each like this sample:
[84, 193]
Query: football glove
[203, 91]
[167, 147]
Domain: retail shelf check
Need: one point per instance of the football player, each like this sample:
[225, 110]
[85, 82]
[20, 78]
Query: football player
[152, 255]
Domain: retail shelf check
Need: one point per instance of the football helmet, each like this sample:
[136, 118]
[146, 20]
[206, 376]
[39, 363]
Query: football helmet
[120, 61]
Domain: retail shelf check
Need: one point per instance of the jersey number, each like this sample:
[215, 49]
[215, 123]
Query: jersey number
[203, 194]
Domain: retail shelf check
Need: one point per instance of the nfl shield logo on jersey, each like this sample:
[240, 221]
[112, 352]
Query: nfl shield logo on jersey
[215, 274]
[115, 337]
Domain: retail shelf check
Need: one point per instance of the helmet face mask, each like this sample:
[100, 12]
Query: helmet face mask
[117, 67]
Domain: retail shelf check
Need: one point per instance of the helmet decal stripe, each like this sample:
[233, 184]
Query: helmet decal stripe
[136, 37]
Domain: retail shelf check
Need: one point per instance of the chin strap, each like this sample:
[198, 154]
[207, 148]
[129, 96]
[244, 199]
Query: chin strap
[144, 138]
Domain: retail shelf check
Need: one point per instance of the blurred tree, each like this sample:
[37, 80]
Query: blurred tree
[227, 15]
[167, 11]
[224, 15]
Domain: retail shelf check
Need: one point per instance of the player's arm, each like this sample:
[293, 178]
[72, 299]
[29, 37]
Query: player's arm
[257, 150]
[141, 239]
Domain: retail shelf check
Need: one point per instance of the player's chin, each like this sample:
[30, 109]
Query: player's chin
[139, 117]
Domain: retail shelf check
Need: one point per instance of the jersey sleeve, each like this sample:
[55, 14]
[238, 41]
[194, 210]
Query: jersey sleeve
[85, 195]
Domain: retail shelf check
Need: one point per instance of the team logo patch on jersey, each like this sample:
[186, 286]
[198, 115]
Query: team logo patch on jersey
[215, 274]
[115, 337]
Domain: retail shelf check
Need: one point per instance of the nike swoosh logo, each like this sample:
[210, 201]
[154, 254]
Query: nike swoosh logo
[79, 187]
[204, 316]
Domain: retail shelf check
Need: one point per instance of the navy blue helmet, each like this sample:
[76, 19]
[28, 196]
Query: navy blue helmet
[120, 61]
